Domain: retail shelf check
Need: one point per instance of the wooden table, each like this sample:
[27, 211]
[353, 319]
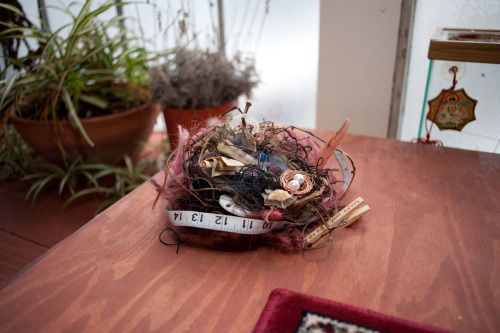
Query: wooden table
[428, 251]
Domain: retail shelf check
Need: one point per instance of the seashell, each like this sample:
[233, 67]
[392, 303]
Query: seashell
[278, 198]
[299, 177]
[279, 195]
[229, 205]
[294, 184]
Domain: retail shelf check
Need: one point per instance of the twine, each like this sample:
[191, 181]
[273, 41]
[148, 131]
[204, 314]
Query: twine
[304, 188]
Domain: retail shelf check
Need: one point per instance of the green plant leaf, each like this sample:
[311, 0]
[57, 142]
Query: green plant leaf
[68, 177]
[85, 192]
[106, 172]
[8, 86]
[129, 164]
[35, 176]
[95, 101]
[53, 168]
[73, 116]
[37, 187]
[12, 8]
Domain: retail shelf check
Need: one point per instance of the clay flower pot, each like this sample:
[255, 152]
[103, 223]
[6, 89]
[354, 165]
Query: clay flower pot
[113, 135]
[189, 118]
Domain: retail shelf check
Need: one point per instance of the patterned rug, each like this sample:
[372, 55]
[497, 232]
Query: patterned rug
[288, 311]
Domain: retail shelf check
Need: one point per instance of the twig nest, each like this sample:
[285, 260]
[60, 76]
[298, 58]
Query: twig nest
[296, 182]
[278, 198]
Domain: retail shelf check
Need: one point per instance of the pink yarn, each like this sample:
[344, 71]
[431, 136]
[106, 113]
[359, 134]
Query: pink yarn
[271, 215]
[183, 134]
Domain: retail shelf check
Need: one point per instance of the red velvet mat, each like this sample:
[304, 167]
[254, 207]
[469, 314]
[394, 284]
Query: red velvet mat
[288, 311]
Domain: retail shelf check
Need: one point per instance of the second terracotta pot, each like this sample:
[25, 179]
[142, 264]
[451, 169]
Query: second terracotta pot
[190, 118]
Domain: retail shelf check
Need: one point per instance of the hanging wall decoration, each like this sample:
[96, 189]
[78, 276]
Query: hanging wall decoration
[244, 182]
[451, 109]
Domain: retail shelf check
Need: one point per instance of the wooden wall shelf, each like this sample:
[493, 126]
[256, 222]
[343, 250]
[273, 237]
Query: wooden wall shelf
[466, 45]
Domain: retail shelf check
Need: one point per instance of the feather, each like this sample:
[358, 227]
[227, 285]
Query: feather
[326, 152]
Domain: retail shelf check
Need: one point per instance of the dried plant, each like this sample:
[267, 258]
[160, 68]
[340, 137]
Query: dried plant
[194, 77]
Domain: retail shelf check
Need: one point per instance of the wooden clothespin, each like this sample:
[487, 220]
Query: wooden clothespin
[342, 219]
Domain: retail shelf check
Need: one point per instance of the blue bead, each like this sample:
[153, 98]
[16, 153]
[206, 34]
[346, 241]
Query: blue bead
[262, 157]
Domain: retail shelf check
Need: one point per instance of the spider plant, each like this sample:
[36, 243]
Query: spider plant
[108, 182]
[83, 69]
[82, 178]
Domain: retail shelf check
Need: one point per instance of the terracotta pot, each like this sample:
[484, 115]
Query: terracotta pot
[189, 118]
[113, 135]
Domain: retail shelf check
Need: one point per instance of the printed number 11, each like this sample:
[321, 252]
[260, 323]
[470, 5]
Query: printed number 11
[249, 226]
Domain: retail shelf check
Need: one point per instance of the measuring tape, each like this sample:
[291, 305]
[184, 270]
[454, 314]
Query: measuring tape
[221, 222]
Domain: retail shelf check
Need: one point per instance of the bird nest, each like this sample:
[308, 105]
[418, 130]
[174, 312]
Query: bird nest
[273, 173]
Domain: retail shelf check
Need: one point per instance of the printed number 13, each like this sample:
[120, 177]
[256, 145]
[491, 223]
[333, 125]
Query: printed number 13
[195, 216]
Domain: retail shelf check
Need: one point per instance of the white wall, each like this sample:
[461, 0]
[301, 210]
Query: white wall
[357, 52]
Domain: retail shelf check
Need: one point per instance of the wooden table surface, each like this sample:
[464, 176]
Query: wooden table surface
[428, 251]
